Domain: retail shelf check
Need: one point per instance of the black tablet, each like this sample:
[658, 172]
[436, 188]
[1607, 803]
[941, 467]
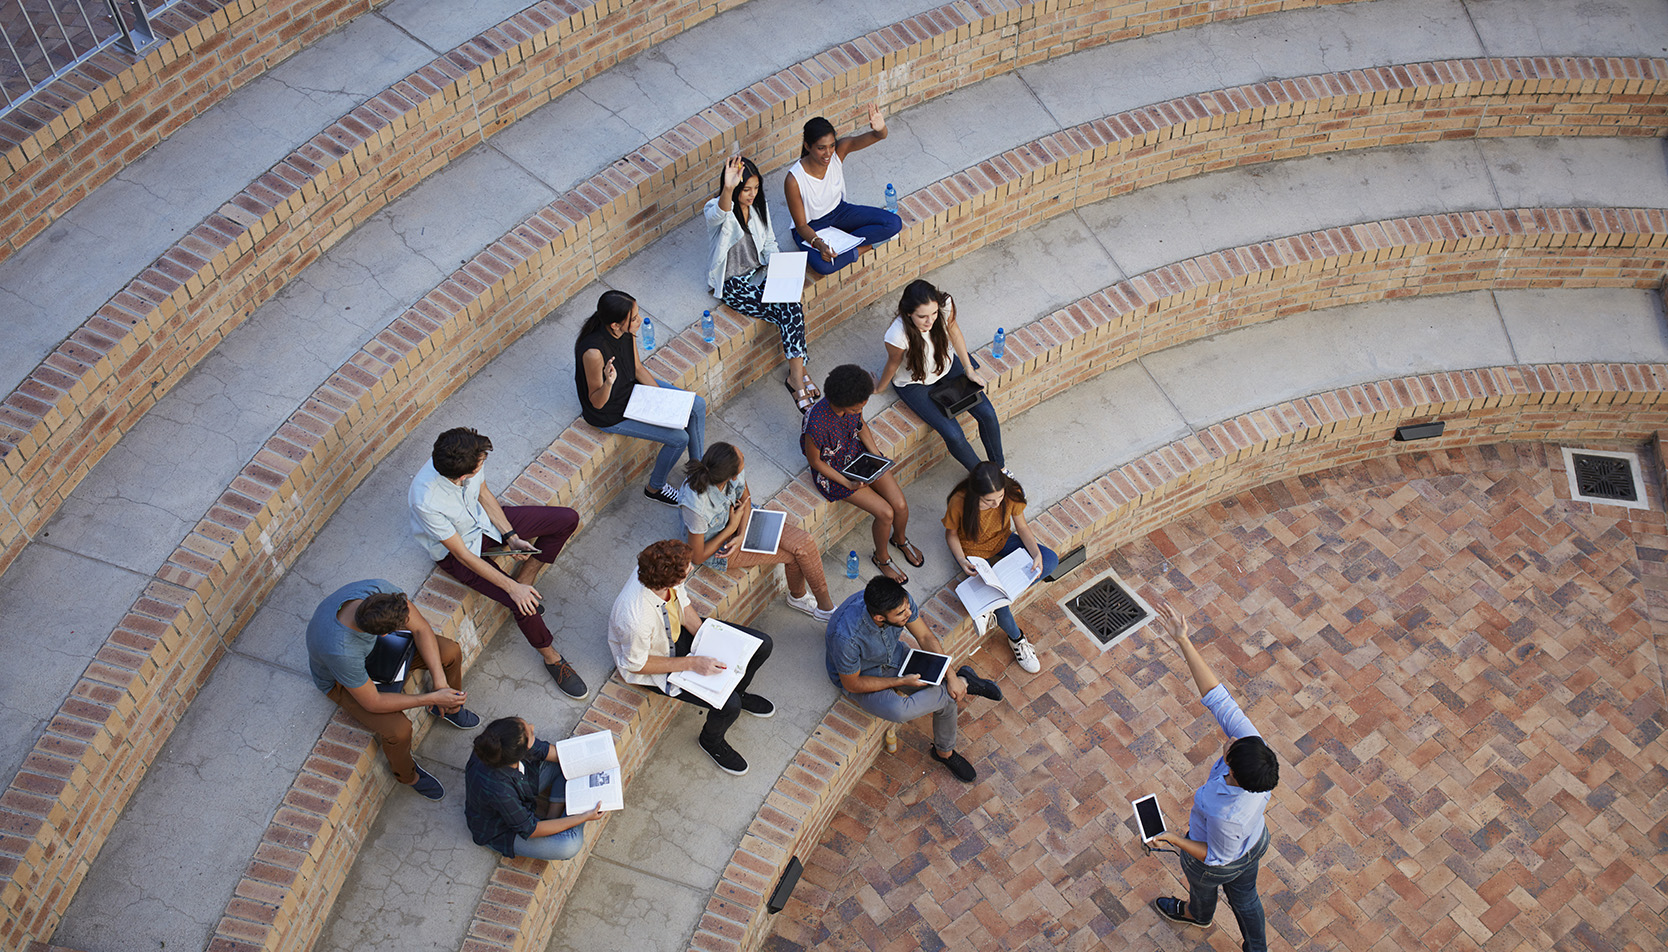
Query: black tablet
[930, 665]
[866, 468]
[1148, 817]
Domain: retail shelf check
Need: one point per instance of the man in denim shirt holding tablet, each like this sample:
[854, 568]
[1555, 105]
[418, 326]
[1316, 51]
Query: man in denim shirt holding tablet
[1226, 835]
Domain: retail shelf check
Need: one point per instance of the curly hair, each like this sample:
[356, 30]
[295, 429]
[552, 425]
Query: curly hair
[847, 385]
[381, 613]
[663, 564]
[458, 451]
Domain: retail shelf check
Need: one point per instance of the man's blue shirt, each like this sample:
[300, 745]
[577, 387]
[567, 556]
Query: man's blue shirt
[857, 644]
[1226, 818]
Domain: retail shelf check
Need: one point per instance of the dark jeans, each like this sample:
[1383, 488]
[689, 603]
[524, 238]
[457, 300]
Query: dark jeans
[719, 719]
[917, 397]
[1239, 880]
[873, 225]
[1005, 615]
[548, 528]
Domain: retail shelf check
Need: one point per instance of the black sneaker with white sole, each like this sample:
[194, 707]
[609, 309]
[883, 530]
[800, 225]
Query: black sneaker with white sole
[427, 784]
[757, 706]
[725, 757]
[463, 718]
[665, 495]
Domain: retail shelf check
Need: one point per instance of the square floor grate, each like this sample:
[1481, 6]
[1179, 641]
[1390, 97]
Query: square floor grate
[1108, 611]
[1605, 477]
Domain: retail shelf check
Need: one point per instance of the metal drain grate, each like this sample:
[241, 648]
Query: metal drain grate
[1604, 477]
[1108, 611]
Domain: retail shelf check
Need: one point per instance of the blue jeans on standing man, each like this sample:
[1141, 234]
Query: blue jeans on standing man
[1238, 880]
[693, 436]
[873, 225]
[918, 397]
[1005, 615]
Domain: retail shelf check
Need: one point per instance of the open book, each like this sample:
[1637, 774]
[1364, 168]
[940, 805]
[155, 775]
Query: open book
[731, 646]
[660, 406]
[996, 586]
[592, 768]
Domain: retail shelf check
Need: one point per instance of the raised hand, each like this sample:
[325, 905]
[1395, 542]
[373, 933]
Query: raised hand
[732, 173]
[877, 122]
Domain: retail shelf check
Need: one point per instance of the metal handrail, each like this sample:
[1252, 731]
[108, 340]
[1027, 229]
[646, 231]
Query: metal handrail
[44, 39]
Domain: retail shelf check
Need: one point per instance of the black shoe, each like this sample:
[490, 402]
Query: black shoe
[757, 706]
[665, 495]
[463, 718]
[725, 757]
[977, 686]
[427, 785]
[1175, 910]
[567, 679]
[958, 765]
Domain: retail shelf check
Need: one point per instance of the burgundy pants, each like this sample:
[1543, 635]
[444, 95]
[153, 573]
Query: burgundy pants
[548, 528]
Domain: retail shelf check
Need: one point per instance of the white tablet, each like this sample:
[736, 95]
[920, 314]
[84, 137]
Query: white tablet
[764, 531]
[1147, 817]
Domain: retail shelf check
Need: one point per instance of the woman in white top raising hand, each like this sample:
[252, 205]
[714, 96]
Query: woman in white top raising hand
[816, 194]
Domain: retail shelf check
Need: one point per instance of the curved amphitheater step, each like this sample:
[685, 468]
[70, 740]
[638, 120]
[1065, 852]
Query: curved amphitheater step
[346, 557]
[1012, 282]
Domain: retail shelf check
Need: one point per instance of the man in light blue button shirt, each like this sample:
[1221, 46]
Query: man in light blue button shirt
[1226, 835]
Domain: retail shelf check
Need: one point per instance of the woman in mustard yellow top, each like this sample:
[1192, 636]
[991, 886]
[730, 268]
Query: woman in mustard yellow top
[985, 518]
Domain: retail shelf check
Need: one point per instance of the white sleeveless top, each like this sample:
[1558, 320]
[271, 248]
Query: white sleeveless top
[821, 196]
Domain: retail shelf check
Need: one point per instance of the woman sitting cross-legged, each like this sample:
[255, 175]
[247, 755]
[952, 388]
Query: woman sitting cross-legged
[832, 438]
[506, 776]
[977, 518]
[743, 241]
[925, 345]
[716, 508]
[606, 365]
[815, 189]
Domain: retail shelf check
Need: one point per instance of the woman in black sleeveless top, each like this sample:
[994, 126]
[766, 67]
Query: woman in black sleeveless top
[606, 364]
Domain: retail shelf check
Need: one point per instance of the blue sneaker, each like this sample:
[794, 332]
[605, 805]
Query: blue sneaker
[463, 718]
[428, 785]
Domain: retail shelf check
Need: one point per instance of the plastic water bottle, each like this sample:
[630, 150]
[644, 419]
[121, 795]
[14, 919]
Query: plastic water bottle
[891, 198]
[707, 332]
[647, 336]
[851, 564]
[998, 347]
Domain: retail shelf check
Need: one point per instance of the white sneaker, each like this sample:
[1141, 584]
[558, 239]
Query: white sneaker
[807, 603]
[1025, 655]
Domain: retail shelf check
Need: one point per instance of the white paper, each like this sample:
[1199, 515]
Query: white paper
[785, 278]
[592, 768]
[660, 406]
[764, 531]
[840, 241]
[996, 586]
[731, 646]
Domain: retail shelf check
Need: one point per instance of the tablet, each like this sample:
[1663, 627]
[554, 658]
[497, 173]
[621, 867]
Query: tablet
[930, 665]
[505, 550]
[1147, 817]
[866, 468]
[764, 531]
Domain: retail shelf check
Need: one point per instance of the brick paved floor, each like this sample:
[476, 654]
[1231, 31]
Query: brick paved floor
[1455, 663]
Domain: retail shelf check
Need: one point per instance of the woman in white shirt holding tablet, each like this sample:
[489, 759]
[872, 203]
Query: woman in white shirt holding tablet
[924, 345]
[716, 505]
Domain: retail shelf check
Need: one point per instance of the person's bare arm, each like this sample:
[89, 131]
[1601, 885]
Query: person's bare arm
[1028, 539]
[599, 377]
[958, 343]
[929, 642]
[369, 698]
[802, 221]
[428, 648]
[526, 597]
[857, 143]
[1193, 848]
[558, 824]
[870, 683]
[953, 539]
[894, 359]
[813, 456]
[1176, 623]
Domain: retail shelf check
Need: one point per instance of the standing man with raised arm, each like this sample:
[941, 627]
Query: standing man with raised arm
[454, 516]
[1226, 834]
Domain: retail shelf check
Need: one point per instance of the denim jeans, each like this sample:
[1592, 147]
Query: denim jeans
[693, 436]
[1005, 615]
[918, 397]
[889, 705]
[873, 225]
[556, 846]
[1239, 880]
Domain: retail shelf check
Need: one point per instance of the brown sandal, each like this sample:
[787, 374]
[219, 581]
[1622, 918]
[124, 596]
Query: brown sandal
[884, 565]
[811, 389]
[801, 399]
[911, 554]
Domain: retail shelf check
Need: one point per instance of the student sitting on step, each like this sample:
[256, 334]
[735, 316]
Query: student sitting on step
[341, 635]
[977, 517]
[507, 775]
[716, 508]
[455, 517]
[607, 363]
[925, 345]
[650, 633]
[816, 195]
[743, 241]
[833, 436]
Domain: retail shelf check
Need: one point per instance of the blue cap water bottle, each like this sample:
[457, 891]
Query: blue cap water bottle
[998, 347]
[891, 198]
[707, 332]
[647, 335]
[851, 564]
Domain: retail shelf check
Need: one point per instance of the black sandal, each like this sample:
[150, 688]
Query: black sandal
[911, 552]
[884, 564]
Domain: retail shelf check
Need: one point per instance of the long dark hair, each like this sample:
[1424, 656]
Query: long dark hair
[612, 308]
[719, 464]
[918, 294]
[986, 478]
[501, 743]
[748, 170]
[814, 130]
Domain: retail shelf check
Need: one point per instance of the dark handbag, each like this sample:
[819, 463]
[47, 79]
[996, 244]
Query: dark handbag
[955, 394]
[389, 662]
